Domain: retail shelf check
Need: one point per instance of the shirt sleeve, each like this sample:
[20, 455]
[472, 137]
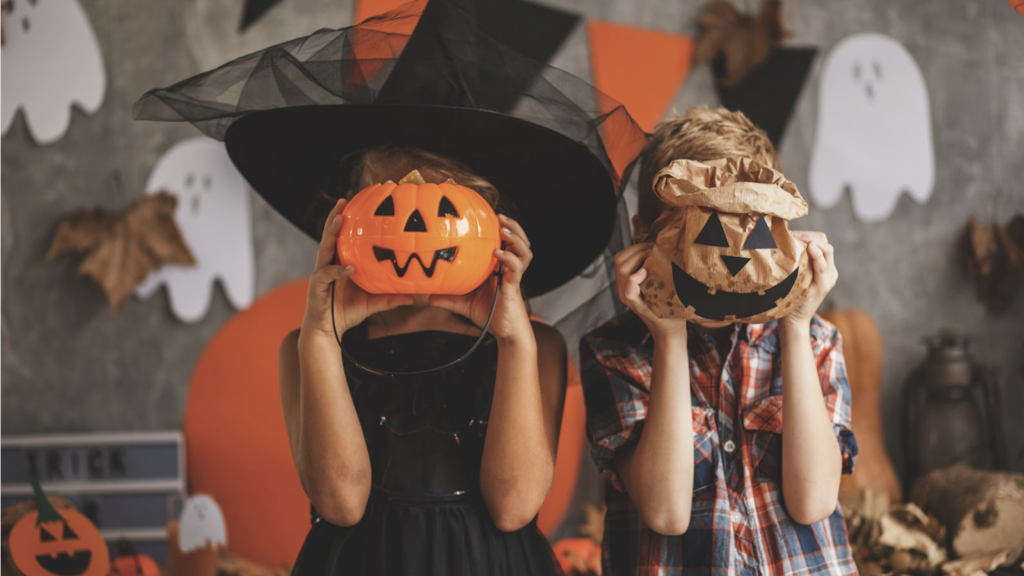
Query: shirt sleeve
[616, 397]
[835, 387]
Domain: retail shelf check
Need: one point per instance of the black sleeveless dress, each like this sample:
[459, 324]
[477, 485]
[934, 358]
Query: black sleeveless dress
[425, 434]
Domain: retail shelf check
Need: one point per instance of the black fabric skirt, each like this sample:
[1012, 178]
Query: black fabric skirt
[424, 536]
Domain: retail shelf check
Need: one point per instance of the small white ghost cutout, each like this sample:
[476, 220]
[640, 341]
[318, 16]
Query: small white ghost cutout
[51, 61]
[201, 525]
[214, 216]
[874, 134]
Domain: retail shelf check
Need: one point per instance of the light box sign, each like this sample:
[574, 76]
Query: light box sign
[120, 481]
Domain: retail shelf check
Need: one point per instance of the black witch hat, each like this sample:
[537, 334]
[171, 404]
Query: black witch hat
[424, 76]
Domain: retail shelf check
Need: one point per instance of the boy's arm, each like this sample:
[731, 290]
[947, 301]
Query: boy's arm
[812, 462]
[811, 459]
[658, 471]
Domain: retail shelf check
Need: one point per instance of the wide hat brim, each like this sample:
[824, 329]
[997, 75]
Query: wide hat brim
[556, 188]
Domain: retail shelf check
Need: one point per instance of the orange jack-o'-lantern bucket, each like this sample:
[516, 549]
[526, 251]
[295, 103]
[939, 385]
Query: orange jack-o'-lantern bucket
[419, 238]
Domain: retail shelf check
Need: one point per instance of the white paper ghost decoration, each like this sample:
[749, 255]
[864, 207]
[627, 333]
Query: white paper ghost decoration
[201, 525]
[874, 132]
[51, 60]
[214, 217]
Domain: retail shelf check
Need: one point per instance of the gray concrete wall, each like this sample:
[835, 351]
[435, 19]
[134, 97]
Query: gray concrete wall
[70, 365]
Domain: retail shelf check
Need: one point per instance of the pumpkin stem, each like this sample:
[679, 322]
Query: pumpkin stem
[413, 177]
[47, 513]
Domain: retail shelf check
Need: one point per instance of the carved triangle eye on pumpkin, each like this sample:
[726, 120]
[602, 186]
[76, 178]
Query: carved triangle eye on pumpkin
[419, 238]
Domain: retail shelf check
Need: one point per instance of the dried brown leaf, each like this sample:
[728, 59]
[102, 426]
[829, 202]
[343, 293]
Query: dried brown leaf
[744, 41]
[121, 249]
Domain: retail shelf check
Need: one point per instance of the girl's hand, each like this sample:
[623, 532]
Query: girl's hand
[351, 303]
[629, 274]
[511, 320]
[822, 261]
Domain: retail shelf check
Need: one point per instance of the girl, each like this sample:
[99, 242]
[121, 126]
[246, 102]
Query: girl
[436, 474]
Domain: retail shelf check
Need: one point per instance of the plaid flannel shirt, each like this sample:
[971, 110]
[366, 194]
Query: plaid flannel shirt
[738, 521]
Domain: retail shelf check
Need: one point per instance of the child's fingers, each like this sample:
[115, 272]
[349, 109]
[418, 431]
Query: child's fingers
[454, 304]
[381, 302]
[514, 265]
[628, 252]
[510, 223]
[324, 276]
[631, 294]
[328, 242]
[817, 260]
[517, 245]
[629, 266]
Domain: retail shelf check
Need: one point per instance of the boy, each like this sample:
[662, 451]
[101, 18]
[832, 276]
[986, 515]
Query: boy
[706, 477]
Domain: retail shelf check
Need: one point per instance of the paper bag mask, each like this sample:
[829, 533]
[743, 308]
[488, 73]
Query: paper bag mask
[723, 251]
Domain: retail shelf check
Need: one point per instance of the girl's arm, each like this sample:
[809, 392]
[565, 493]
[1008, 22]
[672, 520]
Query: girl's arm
[811, 459]
[658, 471]
[323, 429]
[522, 432]
[326, 439]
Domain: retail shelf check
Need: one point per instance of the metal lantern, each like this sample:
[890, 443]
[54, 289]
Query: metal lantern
[951, 409]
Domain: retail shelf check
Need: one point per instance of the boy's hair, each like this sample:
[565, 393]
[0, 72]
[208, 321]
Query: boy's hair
[384, 163]
[701, 134]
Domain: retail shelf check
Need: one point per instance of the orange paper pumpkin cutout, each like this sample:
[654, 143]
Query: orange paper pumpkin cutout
[50, 543]
[418, 238]
[134, 565]
[724, 251]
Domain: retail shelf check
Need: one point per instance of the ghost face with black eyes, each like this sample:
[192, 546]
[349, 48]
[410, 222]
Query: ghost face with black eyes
[725, 253]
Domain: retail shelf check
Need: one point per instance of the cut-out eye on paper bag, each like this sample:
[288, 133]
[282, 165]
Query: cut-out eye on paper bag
[723, 250]
[419, 238]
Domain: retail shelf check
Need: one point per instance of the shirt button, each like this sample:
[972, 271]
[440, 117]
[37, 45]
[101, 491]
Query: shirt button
[737, 518]
[729, 446]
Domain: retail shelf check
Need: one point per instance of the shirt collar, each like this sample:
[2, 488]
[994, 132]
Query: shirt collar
[764, 335]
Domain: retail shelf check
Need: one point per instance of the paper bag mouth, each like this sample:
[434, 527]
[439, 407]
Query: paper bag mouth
[694, 293]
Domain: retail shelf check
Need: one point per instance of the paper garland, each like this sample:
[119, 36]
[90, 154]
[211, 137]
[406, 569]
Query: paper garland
[641, 68]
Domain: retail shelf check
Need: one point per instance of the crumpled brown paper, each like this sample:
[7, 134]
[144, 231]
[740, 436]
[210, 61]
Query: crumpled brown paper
[743, 40]
[740, 193]
[123, 248]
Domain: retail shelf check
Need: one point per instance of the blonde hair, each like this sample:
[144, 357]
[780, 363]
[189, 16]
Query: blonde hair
[702, 134]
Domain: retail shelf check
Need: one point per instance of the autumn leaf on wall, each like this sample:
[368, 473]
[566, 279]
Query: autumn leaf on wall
[744, 41]
[121, 249]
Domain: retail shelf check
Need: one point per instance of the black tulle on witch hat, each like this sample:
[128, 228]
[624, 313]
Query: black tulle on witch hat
[425, 76]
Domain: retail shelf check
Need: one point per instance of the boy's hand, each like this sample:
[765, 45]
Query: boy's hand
[629, 273]
[823, 266]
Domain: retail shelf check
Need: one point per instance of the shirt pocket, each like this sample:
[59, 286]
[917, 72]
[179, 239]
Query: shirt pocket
[763, 423]
[705, 439]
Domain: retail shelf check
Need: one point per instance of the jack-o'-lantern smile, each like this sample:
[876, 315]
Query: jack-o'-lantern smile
[446, 254]
[692, 292]
[450, 230]
[64, 563]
